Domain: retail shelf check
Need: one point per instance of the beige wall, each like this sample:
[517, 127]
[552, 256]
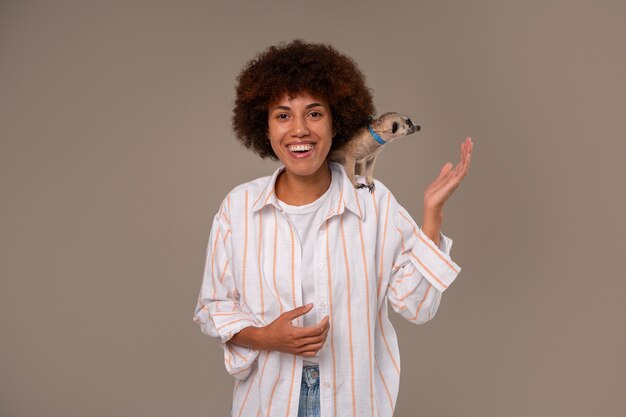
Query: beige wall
[116, 151]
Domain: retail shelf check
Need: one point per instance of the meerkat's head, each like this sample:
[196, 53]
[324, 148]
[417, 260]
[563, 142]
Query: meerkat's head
[390, 126]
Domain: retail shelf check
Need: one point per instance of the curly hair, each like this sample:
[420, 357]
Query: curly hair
[299, 67]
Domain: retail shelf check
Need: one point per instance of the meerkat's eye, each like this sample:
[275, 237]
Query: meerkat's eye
[394, 127]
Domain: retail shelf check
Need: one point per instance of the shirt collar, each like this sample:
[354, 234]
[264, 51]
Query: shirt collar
[345, 197]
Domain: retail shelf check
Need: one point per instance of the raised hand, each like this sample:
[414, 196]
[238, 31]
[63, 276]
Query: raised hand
[438, 192]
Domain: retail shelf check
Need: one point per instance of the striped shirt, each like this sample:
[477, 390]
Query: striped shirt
[368, 253]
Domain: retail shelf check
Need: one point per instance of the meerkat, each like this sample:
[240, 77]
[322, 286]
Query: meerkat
[358, 154]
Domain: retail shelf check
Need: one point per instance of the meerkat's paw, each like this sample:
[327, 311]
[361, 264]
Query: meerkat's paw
[371, 187]
[361, 185]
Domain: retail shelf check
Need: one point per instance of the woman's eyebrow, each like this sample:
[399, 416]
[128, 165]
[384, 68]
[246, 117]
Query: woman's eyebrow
[308, 106]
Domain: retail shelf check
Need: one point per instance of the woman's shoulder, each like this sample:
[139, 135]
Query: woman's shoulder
[368, 202]
[247, 193]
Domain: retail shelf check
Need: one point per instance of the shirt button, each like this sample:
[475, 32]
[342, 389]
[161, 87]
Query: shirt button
[321, 265]
[327, 384]
[323, 304]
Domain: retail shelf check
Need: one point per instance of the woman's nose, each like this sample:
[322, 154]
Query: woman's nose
[300, 127]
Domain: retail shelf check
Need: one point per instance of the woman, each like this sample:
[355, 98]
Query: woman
[301, 265]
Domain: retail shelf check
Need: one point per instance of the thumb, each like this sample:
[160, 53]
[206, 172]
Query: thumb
[297, 312]
[445, 170]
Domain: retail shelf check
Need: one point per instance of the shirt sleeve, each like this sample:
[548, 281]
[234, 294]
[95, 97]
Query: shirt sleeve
[218, 311]
[421, 271]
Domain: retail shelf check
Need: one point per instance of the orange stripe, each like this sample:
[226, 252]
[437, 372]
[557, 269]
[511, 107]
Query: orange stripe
[374, 201]
[382, 378]
[400, 279]
[339, 200]
[268, 197]
[269, 406]
[397, 306]
[429, 271]
[274, 269]
[419, 307]
[367, 299]
[228, 360]
[293, 266]
[293, 371]
[245, 398]
[231, 322]
[217, 235]
[332, 328]
[382, 248]
[227, 313]
[240, 371]
[380, 321]
[345, 256]
[410, 221]
[257, 199]
[224, 271]
[226, 236]
[238, 354]
[408, 293]
[401, 240]
[259, 264]
[237, 384]
[356, 197]
[225, 217]
[245, 250]
[436, 251]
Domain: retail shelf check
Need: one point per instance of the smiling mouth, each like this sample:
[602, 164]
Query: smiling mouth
[301, 148]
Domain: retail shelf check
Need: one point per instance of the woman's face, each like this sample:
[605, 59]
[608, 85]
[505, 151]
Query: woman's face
[300, 131]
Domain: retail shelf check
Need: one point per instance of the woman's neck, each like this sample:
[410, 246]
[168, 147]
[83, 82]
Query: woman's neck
[298, 190]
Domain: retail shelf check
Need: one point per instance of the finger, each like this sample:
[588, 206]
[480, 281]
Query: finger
[316, 330]
[311, 346]
[463, 168]
[445, 170]
[297, 312]
[308, 341]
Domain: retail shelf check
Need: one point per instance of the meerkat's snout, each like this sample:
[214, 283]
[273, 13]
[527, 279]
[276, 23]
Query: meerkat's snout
[412, 127]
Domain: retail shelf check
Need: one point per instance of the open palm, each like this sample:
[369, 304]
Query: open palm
[438, 192]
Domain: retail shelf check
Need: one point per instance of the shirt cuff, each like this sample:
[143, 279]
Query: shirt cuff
[231, 328]
[434, 262]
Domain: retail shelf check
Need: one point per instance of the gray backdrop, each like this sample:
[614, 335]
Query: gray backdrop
[116, 151]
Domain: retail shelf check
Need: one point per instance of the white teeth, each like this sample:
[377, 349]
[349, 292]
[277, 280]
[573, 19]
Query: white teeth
[300, 148]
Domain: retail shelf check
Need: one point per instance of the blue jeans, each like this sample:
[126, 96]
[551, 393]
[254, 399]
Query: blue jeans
[310, 392]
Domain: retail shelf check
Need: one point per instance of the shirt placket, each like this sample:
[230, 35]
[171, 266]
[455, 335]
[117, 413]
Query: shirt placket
[323, 309]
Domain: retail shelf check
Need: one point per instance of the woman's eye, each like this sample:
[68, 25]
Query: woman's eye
[315, 114]
[282, 116]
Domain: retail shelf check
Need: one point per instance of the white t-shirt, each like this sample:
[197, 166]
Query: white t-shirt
[307, 219]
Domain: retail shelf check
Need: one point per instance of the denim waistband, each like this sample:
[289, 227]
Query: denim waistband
[311, 375]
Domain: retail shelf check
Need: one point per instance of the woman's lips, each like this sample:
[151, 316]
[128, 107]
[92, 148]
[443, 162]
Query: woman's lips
[305, 150]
